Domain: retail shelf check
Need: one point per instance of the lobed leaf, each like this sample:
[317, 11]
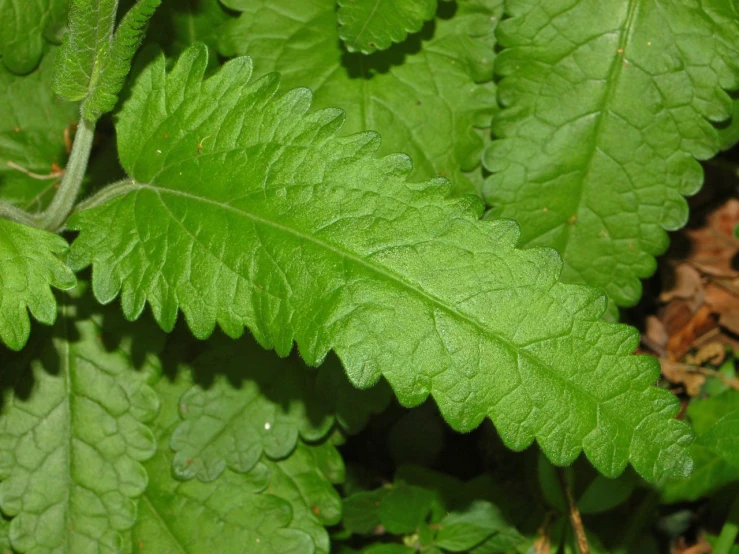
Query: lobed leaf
[258, 405]
[246, 210]
[606, 107]
[32, 135]
[72, 436]
[428, 95]
[369, 25]
[277, 507]
[94, 61]
[23, 27]
[29, 267]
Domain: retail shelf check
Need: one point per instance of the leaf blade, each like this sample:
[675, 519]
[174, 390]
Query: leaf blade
[29, 267]
[602, 125]
[376, 257]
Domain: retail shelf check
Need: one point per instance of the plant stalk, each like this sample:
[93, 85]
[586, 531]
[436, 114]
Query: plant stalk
[61, 206]
[729, 531]
[8, 211]
[575, 517]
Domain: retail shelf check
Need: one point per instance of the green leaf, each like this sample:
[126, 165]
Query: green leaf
[259, 405]
[729, 134]
[369, 25]
[177, 25]
[461, 531]
[32, 135]
[404, 508]
[361, 511]
[94, 61]
[277, 507]
[427, 96]
[29, 267]
[607, 105]
[712, 469]
[244, 210]
[603, 494]
[723, 439]
[23, 26]
[72, 435]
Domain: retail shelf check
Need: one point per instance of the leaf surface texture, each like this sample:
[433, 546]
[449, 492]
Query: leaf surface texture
[29, 267]
[73, 434]
[369, 25]
[247, 210]
[23, 26]
[427, 95]
[607, 106]
[277, 507]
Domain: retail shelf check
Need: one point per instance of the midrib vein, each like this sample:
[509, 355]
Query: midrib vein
[615, 72]
[66, 351]
[369, 18]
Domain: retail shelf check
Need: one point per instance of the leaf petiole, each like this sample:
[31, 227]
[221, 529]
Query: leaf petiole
[8, 211]
[61, 206]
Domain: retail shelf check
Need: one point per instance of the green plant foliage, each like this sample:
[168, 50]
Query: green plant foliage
[438, 513]
[32, 135]
[308, 237]
[72, 435]
[607, 107]
[94, 61]
[23, 26]
[29, 267]
[428, 94]
[261, 407]
[714, 421]
[276, 507]
[369, 25]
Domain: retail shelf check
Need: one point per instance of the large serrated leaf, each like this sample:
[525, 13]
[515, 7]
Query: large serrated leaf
[369, 25]
[29, 267]
[23, 26]
[277, 507]
[606, 108]
[72, 435]
[32, 136]
[426, 96]
[260, 404]
[95, 61]
[246, 210]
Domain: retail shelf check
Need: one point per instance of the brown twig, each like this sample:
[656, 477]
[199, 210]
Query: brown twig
[53, 175]
[575, 518]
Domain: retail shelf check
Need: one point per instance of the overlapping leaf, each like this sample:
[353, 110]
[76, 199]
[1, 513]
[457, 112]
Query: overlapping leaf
[716, 464]
[32, 135]
[29, 267]
[369, 25]
[72, 437]
[260, 404]
[246, 210]
[23, 26]
[277, 507]
[94, 61]
[607, 107]
[426, 96]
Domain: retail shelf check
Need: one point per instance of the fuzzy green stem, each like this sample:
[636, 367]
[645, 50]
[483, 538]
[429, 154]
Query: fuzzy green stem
[729, 531]
[61, 206]
[8, 211]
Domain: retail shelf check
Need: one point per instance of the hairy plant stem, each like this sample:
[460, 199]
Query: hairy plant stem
[8, 211]
[61, 206]
[729, 531]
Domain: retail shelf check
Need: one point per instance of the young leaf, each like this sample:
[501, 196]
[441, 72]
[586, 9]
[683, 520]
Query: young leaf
[276, 507]
[462, 531]
[369, 25]
[22, 29]
[94, 62]
[246, 210]
[72, 435]
[606, 108]
[427, 95]
[260, 405]
[32, 135]
[29, 267]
